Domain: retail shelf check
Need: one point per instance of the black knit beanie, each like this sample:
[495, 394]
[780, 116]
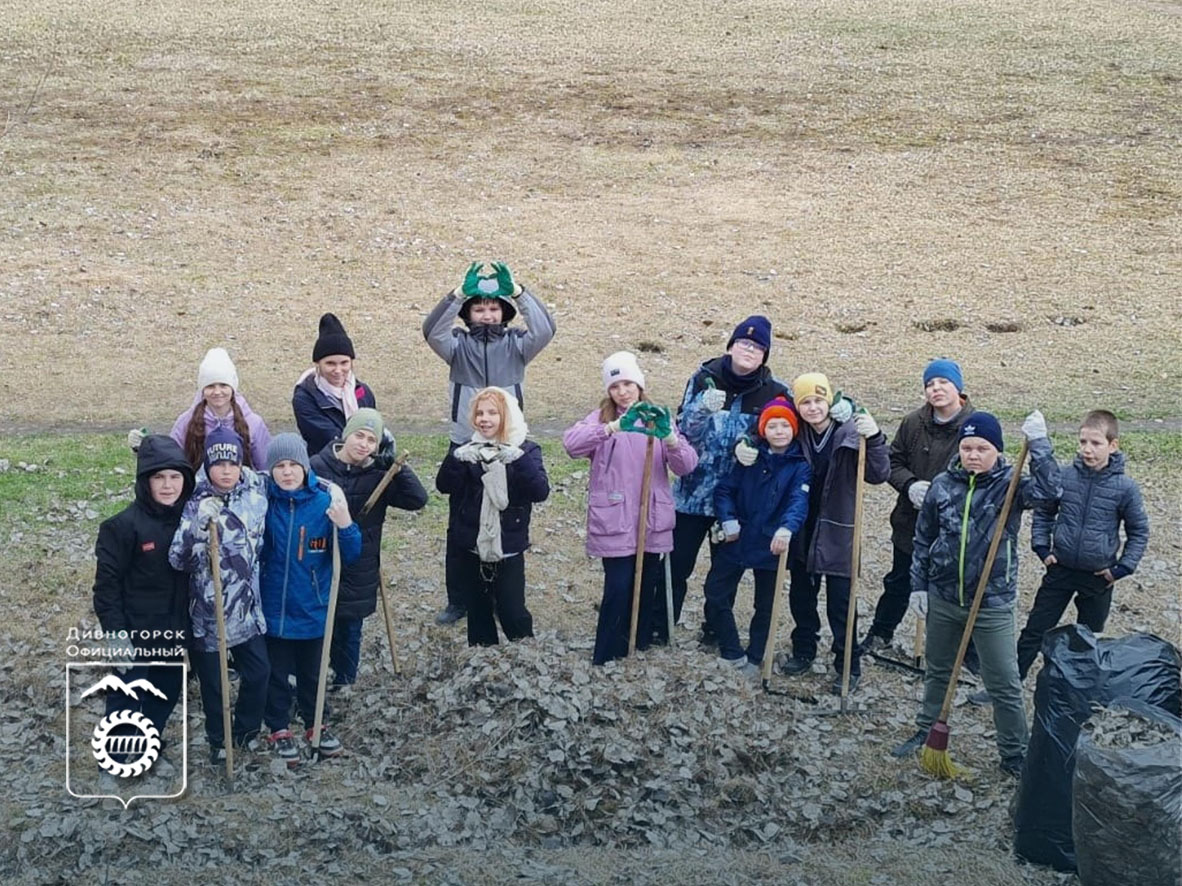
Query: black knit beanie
[332, 340]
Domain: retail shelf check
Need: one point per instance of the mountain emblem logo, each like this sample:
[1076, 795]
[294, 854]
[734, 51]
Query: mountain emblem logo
[125, 743]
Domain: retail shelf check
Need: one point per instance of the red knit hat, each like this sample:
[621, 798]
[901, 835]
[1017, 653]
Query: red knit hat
[779, 408]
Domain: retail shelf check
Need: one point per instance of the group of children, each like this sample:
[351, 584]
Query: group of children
[766, 471]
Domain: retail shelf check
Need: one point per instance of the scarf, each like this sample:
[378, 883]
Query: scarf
[494, 499]
[346, 396]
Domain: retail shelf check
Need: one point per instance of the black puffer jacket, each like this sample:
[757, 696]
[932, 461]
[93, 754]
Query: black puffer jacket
[921, 449]
[135, 588]
[1082, 529]
[358, 594]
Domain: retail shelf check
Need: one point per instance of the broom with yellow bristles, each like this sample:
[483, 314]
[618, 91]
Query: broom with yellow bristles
[934, 756]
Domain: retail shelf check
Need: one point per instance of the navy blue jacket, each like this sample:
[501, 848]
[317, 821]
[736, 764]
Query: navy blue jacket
[320, 419]
[526, 481]
[297, 559]
[1082, 529]
[771, 494]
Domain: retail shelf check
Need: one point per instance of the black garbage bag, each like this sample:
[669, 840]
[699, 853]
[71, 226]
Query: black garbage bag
[1126, 815]
[1078, 672]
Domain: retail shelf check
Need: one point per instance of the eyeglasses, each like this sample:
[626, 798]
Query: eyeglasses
[747, 345]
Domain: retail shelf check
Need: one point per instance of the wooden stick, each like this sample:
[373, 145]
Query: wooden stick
[219, 603]
[389, 621]
[391, 473]
[641, 532]
[999, 532]
[777, 602]
[326, 643]
[920, 637]
[855, 569]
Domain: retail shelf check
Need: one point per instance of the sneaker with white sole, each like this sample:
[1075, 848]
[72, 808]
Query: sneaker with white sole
[330, 745]
[283, 743]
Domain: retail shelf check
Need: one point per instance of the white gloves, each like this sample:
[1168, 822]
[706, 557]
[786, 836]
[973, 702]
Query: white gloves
[1035, 426]
[208, 510]
[865, 424]
[745, 454]
[338, 508]
[612, 427]
[135, 437]
[919, 603]
[713, 399]
[780, 541]
[730, 528]
[917, 491]
[469, 453]
[506, 455]
[842, 409]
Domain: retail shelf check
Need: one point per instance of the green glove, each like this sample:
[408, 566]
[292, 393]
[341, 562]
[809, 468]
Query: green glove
[508, 286]
[629, 419]
[662, 423]
[471, 287]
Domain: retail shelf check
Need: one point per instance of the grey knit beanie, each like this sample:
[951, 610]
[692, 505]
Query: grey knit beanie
[288, 446]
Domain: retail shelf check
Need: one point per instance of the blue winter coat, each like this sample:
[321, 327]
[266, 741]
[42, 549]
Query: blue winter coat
[771, 494]
[714, 434]
[240, 534]
[1082, 529]
[297, 559]
[956, 524]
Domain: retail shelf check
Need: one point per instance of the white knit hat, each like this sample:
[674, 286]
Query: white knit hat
[217, 369]
[621, 366]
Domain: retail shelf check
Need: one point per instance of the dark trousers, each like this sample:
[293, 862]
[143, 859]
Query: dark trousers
[615, 612]
[896, 595]
[344, 655]
[299, 657]
[494, 588]
[254, 669]
[452, 572]
[1093, 599]
[167, 679]
[689, 531]
[802, 600]
[722, 584]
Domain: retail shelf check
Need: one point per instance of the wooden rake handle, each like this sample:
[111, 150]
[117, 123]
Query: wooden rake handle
[219, 604]
[641, 532]
[769, 647]
[326, 643]
[391, 473]
[855, 569]
[999, 532]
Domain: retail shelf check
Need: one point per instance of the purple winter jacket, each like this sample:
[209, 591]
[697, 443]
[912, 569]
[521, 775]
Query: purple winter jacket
[613, 492]
[260, 437]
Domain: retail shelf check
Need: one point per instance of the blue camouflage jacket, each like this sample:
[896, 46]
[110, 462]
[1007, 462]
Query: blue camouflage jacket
[714, 434]
[956, 525]
[240, 531]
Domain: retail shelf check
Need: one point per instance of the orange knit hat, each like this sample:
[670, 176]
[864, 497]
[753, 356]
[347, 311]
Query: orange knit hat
[779, 408]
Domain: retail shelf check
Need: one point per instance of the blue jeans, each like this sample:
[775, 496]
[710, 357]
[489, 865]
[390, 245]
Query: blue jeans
[254, 669]
[345, 655]
[615, 612]
[722, 583]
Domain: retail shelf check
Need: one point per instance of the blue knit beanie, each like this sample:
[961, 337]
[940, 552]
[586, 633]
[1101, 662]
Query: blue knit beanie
[944, 368]
[756, 328]
[985, 426]
[223, 444]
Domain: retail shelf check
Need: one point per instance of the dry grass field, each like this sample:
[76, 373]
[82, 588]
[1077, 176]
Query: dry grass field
[179, 176]
[888, 181]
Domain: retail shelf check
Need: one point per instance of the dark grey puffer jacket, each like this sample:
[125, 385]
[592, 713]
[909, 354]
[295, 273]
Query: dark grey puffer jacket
[956, 525]
[1082, 529]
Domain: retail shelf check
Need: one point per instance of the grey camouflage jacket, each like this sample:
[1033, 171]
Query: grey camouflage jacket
[240, 531]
